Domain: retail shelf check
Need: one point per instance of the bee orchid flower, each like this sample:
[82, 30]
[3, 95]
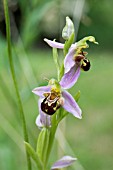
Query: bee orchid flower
[74, 61]
[52, 97]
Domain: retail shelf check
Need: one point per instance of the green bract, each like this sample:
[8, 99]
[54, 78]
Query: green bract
[42, 144]
[33, 155]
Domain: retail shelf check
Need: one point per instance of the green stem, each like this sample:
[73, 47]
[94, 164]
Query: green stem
[7, 20]
[51, 137]
[55, 122]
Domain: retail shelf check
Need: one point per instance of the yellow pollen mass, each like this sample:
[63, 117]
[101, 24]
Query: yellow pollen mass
[56, 90]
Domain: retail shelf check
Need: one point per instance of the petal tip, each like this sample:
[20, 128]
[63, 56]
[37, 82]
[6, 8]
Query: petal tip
[33, 91]
[45, 39]
[38, 122]
[80, 117]
[79, 114]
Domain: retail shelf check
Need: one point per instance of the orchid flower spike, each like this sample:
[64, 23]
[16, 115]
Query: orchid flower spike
[52, 97]
[74, 61]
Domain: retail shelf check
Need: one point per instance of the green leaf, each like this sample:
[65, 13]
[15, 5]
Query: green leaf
[32, 19]
[8, 35]
[61, 71]
[34, 155]
[77, 96]
[42, 144]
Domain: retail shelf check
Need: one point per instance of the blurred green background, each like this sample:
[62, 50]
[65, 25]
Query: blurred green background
[89, 139]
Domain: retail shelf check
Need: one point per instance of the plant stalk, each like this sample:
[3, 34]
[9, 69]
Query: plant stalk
[7, 21]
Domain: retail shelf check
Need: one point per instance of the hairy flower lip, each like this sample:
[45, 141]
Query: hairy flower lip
[42, 120]
[78, 58]
[51, 103]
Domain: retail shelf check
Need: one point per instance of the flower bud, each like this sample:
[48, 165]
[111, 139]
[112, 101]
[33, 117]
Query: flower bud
[68, 29]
